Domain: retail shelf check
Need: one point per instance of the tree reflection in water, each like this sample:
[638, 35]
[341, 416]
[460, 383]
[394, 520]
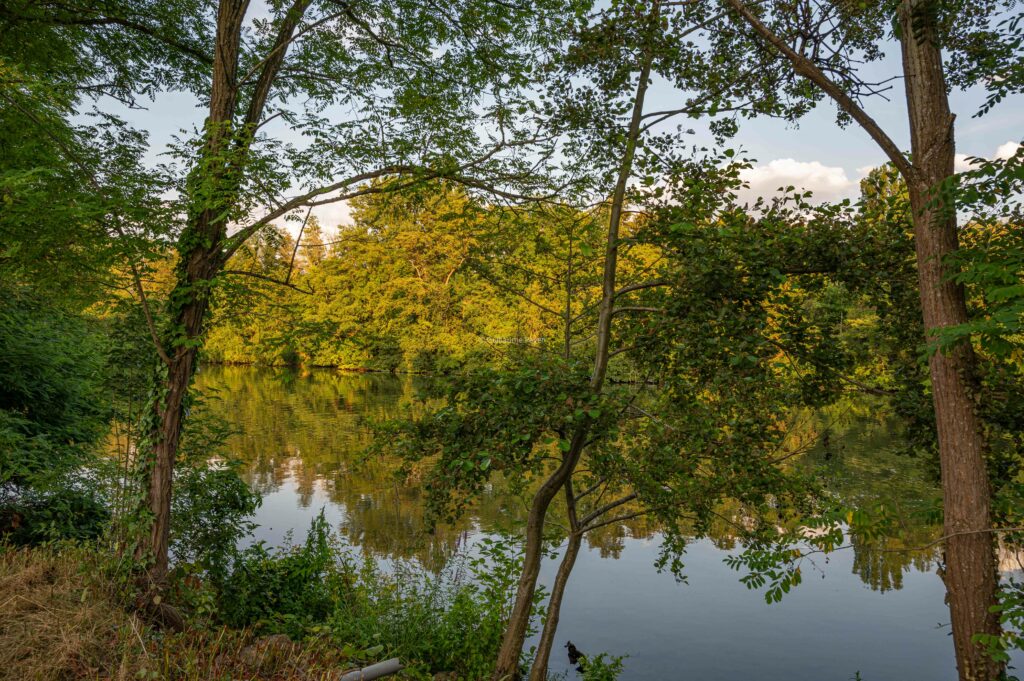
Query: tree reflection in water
[307, 429]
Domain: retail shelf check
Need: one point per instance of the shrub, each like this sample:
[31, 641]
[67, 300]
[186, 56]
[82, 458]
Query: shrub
[62, 513]
[452, 621]
[284, 590]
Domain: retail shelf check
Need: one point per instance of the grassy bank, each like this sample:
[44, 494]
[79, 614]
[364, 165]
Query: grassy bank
[62, 617]
[303, 612]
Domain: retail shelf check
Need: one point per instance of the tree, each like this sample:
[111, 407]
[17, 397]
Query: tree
[389, 61]
[311, 242]
[818, 43]
[718, 342]
[81, 213]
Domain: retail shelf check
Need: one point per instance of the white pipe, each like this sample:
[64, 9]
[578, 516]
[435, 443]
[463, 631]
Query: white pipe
[374, 671]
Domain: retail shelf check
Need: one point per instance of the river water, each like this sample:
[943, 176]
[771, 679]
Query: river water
[877, 616]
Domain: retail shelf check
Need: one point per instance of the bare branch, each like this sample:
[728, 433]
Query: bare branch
[263, 277]
[643, 285]
[600, 511]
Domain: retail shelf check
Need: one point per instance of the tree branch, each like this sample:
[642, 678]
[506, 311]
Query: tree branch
[809, 70]
[641, 286]
[257, 275]
[600, 511]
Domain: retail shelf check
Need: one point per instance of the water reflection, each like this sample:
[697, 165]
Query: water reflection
[880, 611]
[301, 434]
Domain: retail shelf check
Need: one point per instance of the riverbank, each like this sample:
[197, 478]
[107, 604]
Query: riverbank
[308, 612]
[62, 617]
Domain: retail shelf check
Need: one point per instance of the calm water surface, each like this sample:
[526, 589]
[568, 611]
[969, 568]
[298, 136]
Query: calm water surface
[877, 614]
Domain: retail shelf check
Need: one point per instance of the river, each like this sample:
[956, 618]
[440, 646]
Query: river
[860, 614]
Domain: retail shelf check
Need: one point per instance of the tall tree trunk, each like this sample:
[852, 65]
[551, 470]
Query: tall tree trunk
[165, 435]
[212, 193]
[970, 572]
[507, 665]
[198, 249]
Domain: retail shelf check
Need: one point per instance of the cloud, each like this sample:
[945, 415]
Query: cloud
[333, 214]
[960, 163]
[827, 182]
[1007, 150]
[1003, 151]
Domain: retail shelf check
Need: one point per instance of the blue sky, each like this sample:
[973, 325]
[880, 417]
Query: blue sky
[813, 154]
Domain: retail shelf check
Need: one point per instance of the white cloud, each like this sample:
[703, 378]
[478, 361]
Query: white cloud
[1007, 150]
[333, 214]
[1003, 151]
[960, 164]
[827, 182]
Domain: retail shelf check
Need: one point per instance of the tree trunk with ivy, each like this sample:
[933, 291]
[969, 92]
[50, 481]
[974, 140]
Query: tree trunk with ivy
[212, 195]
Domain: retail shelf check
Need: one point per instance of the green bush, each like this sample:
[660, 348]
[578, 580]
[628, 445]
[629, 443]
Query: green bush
[282, 590]
[52, 407]
[452, 621]
[63, 513]
[210, 513]
[53, 413]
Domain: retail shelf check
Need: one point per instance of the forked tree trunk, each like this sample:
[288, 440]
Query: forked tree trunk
[970, 571]
[539, 670]
[507, 665]
[213, 188]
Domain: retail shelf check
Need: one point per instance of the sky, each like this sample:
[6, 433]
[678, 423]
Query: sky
[812, 154]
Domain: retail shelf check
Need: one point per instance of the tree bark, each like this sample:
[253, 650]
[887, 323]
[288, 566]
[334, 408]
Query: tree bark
[970, 573]
[165, 436]
[539, 670]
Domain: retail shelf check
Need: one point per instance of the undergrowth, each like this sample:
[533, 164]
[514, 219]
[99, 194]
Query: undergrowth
[447, 622]
[61, 618]
[301, 612]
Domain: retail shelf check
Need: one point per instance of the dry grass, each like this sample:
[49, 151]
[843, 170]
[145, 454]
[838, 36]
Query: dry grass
[55, 621]
[60, 619]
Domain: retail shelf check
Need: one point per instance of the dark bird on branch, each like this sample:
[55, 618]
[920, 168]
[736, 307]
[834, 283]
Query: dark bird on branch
[576, 657]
